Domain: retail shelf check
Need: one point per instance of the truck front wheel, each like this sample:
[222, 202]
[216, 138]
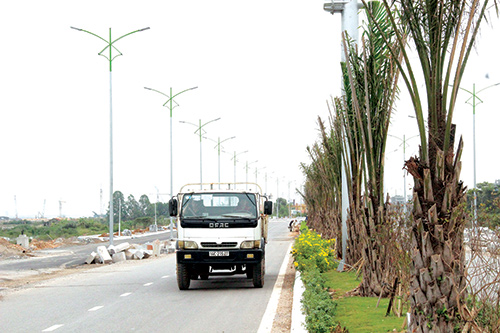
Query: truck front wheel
[258, 274]
[183, 276]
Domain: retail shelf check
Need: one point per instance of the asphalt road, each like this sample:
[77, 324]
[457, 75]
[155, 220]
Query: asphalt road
[142, 296]
[70, 256]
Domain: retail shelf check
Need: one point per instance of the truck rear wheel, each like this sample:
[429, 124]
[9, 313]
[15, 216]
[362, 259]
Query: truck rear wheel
[183, 276]
[258, 274]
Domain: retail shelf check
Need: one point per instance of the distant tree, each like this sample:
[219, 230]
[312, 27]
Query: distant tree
[281, 207]
[133, 208]
[145, 205]
[161, 209]
[117, 198]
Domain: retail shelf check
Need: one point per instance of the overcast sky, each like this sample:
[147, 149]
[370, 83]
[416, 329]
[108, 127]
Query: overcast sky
[266, 68]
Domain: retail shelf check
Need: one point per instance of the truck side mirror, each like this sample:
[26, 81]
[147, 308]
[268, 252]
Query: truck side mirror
[268, 207]
[172, 207]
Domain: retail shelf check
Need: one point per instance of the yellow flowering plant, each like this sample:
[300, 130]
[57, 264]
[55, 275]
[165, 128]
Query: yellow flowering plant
[311, 251]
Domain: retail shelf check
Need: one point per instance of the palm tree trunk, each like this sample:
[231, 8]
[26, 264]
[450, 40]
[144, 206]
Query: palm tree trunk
[437, 276]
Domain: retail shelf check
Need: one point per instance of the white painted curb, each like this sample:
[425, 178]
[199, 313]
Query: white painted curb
[298, 318]
[266, 324]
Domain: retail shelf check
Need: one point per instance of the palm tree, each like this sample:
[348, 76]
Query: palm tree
[321, 189]
[372, 90]
[442, 33]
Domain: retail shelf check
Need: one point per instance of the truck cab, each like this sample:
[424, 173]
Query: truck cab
[220, 231]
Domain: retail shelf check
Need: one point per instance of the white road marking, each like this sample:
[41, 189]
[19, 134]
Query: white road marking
[52, 328]
[125, 295]
[95, 308]
[165, 276]
[148, 284]
[266, 323]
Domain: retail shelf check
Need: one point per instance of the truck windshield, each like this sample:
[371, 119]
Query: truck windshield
[219, 206]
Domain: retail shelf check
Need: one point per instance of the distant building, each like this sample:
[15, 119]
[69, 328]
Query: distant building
[398, 199]
[4, 218]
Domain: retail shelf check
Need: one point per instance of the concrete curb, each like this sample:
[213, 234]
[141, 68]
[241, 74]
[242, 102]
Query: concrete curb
[298, 318]
[266, 323]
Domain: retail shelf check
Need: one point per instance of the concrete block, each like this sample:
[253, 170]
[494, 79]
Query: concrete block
[23, 240]
[120, 256]
[122, 247]
[129, 254]
[103, 254]
[111, 250]
[139, 254]
[156, 248]
[91, 258]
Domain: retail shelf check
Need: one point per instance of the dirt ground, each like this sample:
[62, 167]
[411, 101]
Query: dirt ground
[9, 250]
[283, 318]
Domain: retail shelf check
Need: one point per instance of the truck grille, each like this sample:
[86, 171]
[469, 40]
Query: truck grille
[223, 244]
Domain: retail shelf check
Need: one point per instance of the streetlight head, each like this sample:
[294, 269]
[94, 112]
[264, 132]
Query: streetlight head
[144, 29]
[334, 6]
[76, 28]
[148, 88]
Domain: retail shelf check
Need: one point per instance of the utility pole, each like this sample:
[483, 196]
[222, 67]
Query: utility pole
[349, 12]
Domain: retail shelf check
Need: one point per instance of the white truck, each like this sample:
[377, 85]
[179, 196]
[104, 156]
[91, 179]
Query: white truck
[220, 231]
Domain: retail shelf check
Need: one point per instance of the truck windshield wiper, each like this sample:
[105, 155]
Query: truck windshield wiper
[200, 217]
[239, 216]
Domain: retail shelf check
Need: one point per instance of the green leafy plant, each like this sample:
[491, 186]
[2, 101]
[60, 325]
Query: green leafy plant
[317, 303]
[313, 252]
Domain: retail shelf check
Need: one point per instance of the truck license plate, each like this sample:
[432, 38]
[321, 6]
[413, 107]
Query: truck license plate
[218, 253]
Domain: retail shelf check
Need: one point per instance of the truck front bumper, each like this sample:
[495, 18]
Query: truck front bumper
[219, 256]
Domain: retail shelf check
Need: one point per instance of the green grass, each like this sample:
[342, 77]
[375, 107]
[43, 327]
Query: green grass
[359, 314]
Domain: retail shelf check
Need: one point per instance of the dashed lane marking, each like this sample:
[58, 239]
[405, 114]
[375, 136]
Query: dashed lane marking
[148, 284]
[165, 276]
[52, 328]
[95, 308]
[125, 295]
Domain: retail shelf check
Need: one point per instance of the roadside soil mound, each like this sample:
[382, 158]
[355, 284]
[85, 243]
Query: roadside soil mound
[7, 249]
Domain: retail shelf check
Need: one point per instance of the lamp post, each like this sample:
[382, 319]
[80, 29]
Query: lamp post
[256, 173]
[200, 127]
[234, 159]
[247, 167]
[277, 197]
[475, 101]
[349, 12]
[110, 47]
[403, 143]
[169, 104]
[218, 152]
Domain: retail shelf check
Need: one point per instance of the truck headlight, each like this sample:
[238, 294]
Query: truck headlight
[188, 245]
[250, 244]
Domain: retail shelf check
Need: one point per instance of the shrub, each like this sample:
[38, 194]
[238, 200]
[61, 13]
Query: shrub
[317, 304]
[311, 251]
[313, 256]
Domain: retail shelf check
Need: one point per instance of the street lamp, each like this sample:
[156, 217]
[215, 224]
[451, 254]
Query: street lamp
[403, 143]
[218, 150]
[200, 127]
[110, 47]
[475, 101]
[247, 167]
[349, 13]
[256, 172]
[169, 104]
[234, 159]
